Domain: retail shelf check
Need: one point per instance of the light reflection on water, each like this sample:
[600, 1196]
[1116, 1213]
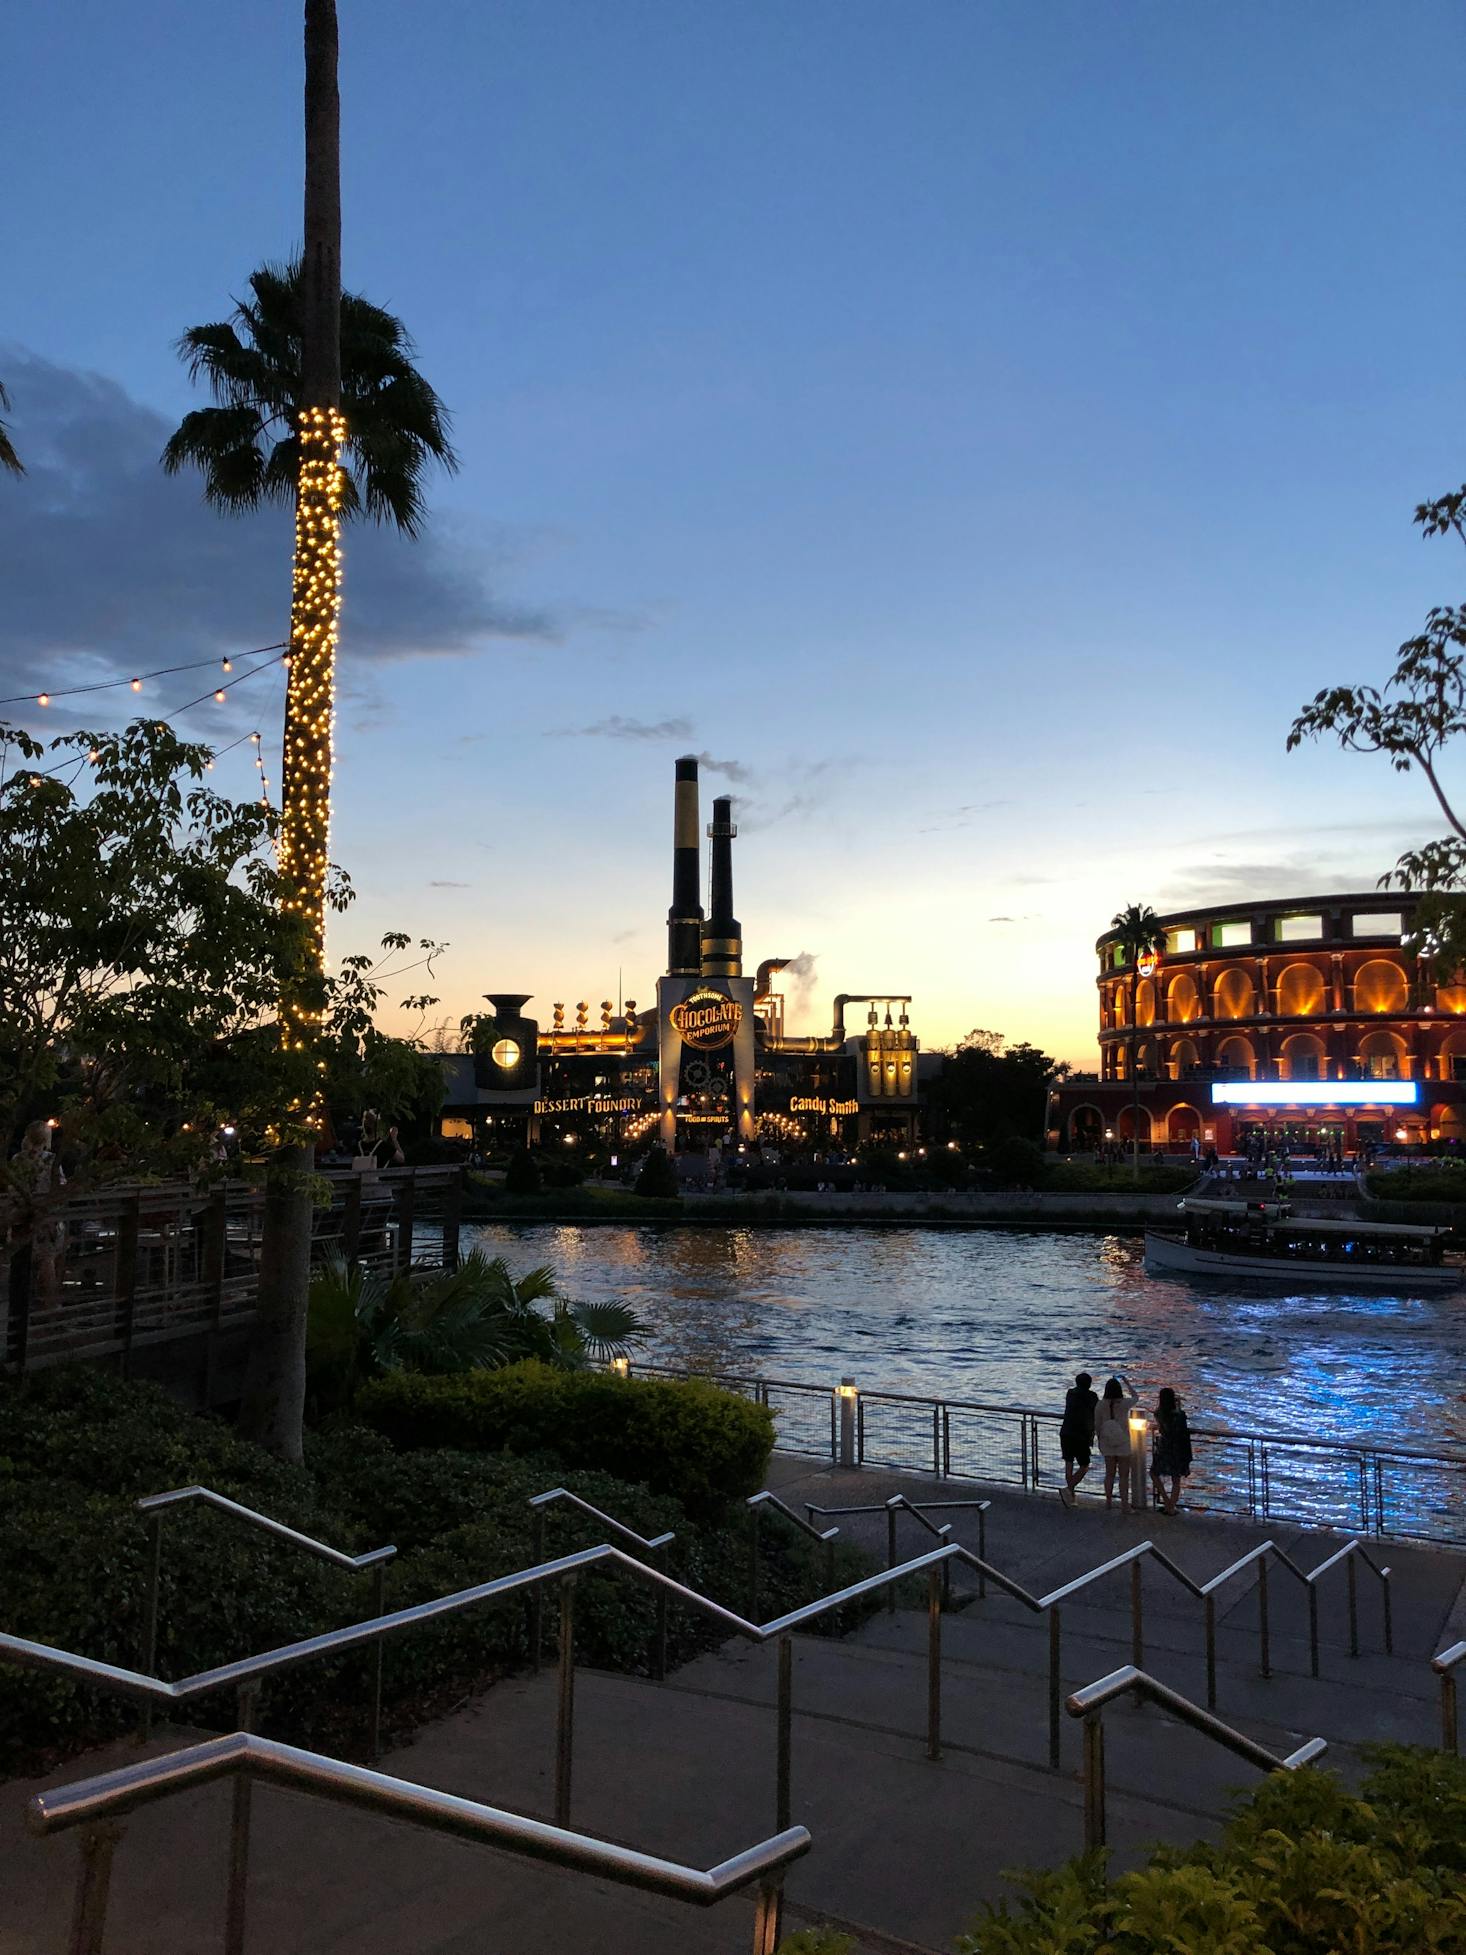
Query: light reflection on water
[1008, 1316]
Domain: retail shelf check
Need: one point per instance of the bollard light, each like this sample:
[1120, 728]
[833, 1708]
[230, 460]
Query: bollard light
[1138, 1424]
[621, 1367]
[847, 1388]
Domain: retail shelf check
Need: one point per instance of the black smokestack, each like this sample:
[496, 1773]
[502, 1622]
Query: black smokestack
[684, 919]
[722, 940]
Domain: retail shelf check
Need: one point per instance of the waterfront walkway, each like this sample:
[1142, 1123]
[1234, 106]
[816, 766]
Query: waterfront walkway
[904, 1847]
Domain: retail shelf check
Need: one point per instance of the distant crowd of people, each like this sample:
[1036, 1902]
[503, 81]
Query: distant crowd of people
[1101, 1421]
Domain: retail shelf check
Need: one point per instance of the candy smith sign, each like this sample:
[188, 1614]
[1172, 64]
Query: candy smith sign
[824, 1106]
[706, 1020]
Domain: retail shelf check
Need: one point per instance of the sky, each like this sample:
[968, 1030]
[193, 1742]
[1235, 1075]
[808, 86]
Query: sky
[976, 428]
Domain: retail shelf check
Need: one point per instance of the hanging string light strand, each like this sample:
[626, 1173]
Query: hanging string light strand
[225, 664]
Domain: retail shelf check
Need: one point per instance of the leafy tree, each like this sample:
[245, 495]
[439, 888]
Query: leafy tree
[657, 1179]
[1139, 934]
[247, 446]
[1413, 718]
[522, 1177]
[8, 458]
[477, 1317]
[985, 1093]
[138, 914]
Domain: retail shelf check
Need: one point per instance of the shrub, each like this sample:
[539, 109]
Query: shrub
[657, 1180]
[1304, 1867]
[522, 1176]
[686, 1438]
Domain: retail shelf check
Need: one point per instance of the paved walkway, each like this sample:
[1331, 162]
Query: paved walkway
[904, 1847]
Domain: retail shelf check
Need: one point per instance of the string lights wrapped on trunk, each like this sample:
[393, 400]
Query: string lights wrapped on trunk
[310, 701]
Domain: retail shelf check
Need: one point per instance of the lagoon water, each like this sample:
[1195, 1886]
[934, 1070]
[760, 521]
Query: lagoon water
[1007, 1316]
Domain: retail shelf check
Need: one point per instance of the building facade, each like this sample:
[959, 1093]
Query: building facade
[709, 1066]
[1310, 1017]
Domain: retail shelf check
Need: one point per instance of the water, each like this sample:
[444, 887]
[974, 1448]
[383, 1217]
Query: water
[1008, 1316]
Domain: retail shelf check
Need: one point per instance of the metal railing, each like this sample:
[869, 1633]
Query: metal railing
[656, 1548]
[1089, 1704]
[918, 1510]
[1352, 1486]
[95, 1804]
[825, 1536]
[156, 1506]
[104, 1272]
[1444, 1666]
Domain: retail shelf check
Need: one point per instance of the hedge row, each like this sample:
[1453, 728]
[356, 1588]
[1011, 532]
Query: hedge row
[689, 1440]
[78, 1447]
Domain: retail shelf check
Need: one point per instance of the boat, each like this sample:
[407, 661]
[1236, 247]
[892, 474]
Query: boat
[1264, 1241]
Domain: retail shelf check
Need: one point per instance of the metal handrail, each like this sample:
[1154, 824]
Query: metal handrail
[899, 1503]
[539, 1505]
[93, 1803]
[1444, 1666]
[1089, 1704]
[755, 1503]
[155, 1506]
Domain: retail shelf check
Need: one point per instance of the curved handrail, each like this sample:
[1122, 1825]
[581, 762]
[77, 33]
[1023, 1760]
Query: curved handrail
[157, 1502]
[540, 1501]
[243, 1756]
[1089, 1703]
[1444, 1664]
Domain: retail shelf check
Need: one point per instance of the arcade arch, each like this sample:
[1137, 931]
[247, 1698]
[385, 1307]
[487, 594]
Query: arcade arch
[1383, 1055]
[1184, 1056]
[1381, 986]
[1145, 1002]
[1304, 1057]
[1183, 1001]
[1086, 1126]
[1233, 995]
[1183, 1125]
[1236, 1055]
[1301, 992]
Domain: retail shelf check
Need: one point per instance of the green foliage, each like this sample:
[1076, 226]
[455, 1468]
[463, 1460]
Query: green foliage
[987, 1094]
[1305, 1867]
[1431, 1181]
[657, 1180]
[247, 445]
[1086, 1178]
[522, 1176]
[816, 1941]
[9, 460]
[1014, 1163]
[683, 1437]
[365, 1325]
[81, 1446]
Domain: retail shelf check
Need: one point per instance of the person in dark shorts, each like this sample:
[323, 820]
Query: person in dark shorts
[1170, 1457]
[1076, 1433]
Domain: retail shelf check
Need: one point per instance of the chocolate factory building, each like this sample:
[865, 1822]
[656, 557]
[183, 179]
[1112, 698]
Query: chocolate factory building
[710, 1066]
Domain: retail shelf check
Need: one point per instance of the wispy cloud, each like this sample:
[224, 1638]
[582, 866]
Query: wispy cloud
[450, 885]
[963, 817]
[618, 726]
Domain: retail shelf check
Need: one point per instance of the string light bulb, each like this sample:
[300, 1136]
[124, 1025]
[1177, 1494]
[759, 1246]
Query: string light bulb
[136, 684]
[221, 695]
[228, 664]
[43, 699]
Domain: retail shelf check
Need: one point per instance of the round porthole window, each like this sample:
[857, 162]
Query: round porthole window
[505, 1054]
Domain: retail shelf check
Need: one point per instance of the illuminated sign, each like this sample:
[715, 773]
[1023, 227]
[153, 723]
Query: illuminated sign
[1301, 1092]
[707, 1019]
[824, 1106]
[588, 1103]
[1147, 963]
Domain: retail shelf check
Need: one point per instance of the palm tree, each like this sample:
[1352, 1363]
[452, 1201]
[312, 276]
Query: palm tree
[248, 446]
[8, 457]
[1138, 933]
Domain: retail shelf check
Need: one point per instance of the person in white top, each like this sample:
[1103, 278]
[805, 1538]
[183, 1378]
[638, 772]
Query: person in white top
[1112, 1435]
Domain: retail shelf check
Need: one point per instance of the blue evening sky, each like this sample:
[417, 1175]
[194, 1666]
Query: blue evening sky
[976, 425]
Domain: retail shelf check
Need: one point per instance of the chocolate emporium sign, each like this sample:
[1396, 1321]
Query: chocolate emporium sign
[706, 1019]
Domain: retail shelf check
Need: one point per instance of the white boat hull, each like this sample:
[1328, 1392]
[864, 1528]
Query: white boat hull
[1177, 1256]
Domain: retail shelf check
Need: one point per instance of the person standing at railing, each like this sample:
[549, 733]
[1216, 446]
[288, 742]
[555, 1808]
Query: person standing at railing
[1076, 1433]
[1170, 1457]
[1112, 1434]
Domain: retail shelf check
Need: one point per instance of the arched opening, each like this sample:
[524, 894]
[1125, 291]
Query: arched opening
[1451, 998]
[1382, 1056]
[1448, 1123]
[1235, 1055]
[1381, 986]
[1233, 995]
[1301, 992]
[1184, 1058]
[1120, 1004]
[1145, 1058]
[1453, 1056]
[1145, 1002]
[1183, 1001]
[1304, 1057]
[1086, 1127]
[1125, 1124]
[1184, 1125]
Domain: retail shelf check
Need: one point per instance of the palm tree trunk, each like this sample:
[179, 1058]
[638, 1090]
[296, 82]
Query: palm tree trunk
[273, 1407]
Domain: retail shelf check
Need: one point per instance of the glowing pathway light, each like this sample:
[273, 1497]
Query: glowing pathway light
[310, 698]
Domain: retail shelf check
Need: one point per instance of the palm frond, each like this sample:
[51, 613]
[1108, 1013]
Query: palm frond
[8, 458]
[608, 1330]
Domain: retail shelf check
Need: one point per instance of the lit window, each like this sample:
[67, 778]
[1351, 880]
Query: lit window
[1375, 923]
[1299, 929]
[1178, 942]
[505, 1054]
[1228, 936]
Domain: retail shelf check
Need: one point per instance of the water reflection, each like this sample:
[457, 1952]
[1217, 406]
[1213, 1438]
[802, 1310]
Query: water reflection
[1007, 1316]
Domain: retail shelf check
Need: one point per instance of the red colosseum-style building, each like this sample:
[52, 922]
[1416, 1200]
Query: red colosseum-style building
[1308, 1017]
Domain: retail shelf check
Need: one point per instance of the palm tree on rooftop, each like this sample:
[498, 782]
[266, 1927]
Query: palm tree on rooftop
[8, 458]
[1138, 933]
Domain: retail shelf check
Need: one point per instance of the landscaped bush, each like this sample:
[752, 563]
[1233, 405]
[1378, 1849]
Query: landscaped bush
[79, 1446]
[686, 1438]
[1304, 1868]
[1432, 1181]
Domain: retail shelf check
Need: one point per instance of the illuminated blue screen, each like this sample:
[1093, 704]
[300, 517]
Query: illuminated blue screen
[1322, 1092]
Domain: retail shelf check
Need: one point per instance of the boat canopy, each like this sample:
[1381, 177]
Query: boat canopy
[1312, 1225]
[1265, 1210]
